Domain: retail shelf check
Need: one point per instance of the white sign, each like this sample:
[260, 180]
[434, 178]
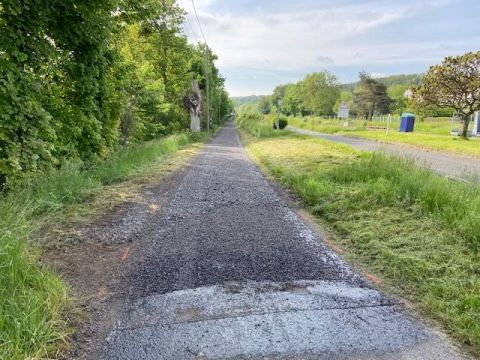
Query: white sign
[476, 124]
[343, 110]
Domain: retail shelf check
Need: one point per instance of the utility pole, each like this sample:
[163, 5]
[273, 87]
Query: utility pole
[207, 90]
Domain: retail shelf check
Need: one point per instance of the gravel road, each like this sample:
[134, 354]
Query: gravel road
[450, 165]
[232, 272]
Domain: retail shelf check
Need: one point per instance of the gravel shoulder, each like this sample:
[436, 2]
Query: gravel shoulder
[457, 167]
[230, 271]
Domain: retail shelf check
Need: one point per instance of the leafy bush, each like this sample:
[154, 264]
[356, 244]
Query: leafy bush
[282, 123]
[258, 125]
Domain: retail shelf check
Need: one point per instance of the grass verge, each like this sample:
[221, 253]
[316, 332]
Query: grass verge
[428, 134]
[415, 230]
[34, 301]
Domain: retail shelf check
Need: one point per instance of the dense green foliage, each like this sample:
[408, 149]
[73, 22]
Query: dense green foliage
[316, 94]
[280, 123]
[370, 97]
[78, 77]
[84, 87]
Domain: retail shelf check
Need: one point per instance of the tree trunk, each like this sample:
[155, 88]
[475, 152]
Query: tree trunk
[466, 122]
[194, 121]
[194, 103]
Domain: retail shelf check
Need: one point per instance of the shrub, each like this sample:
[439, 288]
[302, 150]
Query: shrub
[282, 123]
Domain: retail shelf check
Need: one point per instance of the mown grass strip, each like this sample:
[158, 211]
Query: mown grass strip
[430, 135]
[417, 231]
[34, 300]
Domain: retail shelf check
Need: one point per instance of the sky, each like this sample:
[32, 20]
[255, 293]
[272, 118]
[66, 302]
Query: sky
[262, 44]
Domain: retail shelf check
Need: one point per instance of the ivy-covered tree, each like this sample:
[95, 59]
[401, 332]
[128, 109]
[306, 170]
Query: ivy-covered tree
[455, 84]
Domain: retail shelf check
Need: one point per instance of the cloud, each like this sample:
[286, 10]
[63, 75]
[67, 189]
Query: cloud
[325, 60]
[281, 35]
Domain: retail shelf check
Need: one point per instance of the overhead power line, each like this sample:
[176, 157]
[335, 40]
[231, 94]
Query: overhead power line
[207, 80]
[199, 23]
[189, 25]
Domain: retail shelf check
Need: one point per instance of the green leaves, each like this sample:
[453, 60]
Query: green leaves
[78, 76]
[453, 84]
[370, 97]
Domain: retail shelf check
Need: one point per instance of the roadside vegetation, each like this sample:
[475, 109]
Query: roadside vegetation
[91, 95]
[444, 99]
[430, 133]
[35, 302]
[418, 232]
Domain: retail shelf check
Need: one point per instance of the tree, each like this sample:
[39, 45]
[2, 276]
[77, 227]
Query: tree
[399, 96]
[56, 90]
[455, 83]
[320, 91]
[264, 105]
[193, 103]
[77, 77]
[277, 97]
[370, 97]
[293, 100]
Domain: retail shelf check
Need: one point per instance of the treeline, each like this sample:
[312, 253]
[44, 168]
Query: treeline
[79, 77]
[321, 94]
[242, 100]
[407, 80]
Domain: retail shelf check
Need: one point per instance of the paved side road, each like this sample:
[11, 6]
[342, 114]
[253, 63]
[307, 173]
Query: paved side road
[450, 165]
[233, 273]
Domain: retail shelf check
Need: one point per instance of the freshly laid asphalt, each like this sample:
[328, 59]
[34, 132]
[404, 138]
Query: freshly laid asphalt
[453, 166]
[233, 273]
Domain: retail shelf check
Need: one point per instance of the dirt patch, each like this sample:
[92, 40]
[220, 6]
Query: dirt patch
[95, 259]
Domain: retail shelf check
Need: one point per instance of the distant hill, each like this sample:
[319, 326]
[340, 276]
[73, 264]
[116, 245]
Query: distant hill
[409, 79]
[242, 100]
[412, 79]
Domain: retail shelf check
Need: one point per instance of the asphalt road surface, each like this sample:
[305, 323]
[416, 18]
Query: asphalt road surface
[233, 273]
[450, 165]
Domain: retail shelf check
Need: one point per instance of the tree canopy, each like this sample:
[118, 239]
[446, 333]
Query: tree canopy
[78, 77]
[370, 97]
[455, 83]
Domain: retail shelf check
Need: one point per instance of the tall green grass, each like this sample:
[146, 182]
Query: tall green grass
[258, 125]
[398, 180]
[33, 299]
[416, 230]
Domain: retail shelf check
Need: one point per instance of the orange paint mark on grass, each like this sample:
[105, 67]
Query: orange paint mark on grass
[373, 278]
[333, 246]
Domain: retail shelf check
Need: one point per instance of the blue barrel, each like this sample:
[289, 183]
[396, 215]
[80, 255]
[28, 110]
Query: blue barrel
[407, 122]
